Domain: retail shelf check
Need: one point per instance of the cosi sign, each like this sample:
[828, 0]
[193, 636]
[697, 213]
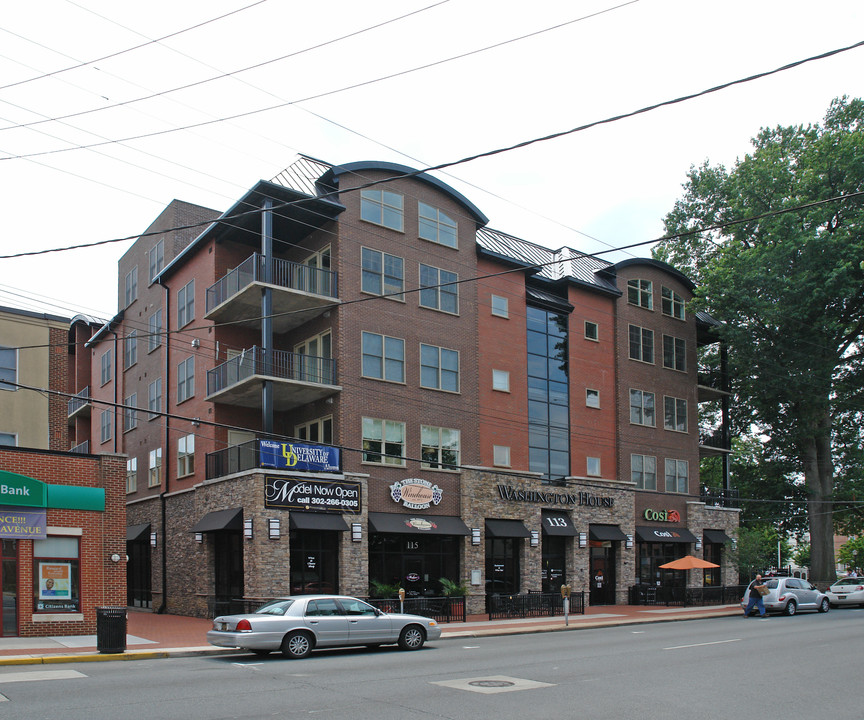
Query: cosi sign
[662, 515]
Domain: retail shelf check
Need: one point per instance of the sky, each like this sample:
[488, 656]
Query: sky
[167, 105]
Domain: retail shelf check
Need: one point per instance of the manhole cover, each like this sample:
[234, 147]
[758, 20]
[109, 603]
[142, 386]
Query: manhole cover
[491, 683]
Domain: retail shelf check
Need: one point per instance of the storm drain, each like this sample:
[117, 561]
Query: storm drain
[492, 684]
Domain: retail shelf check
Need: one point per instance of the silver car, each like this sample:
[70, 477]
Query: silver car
[789, 595]
[847, 591]
[298, 624]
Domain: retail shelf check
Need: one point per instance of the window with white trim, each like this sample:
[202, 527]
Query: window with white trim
[186, 379]
[105, 419]
[592, 466]
[436, 226]
[57, 571]
[383, 442]
[642, 408]
[439, 368]
[592, 331]
[105, 362]
[154, 398]
[8, 439]
[382, 274]
[501, 455]
[500, 306]
[186, 455]
[501, 380]
[315, 359]
[438, 289]
[319, 431]
[383, 357]
[131, 286]
[382, 207]
[643, 471]
[641, 293]
[592, 398]
[131, 475]
[186, 304]
[671, 303]
[130, 349]
[674, 353]
[130, 415]
[677, 475]
[8, 368]
[675, 414]
[156, 259]
[154, 330]
[154, 468]
[641, 344]
[439, 447]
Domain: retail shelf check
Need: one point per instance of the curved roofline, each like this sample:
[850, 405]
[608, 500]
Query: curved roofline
[665, 267]
[362, 165]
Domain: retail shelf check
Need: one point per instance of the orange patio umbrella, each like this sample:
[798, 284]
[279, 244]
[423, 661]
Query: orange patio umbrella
[688, 562]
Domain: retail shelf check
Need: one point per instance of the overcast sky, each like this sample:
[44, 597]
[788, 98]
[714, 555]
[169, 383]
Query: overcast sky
[498, 74]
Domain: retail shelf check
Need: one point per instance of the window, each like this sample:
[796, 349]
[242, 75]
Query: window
[131, 286]
[383, 357]
[154, 328]
[154, 468]
[8, 439]
[154, 398]
[186, 304]
[440, 447]
[439, 368]
[106, 367]
[57, 572]
[314, 359]
[383, 442]
[500, 306]
[641, 344]
[156, 259]
[643, 471]
[382, 207]
[105, 426]
[675, 414]
[186, 379]
[592, 331]
[130, 416]
[186, 455]
[130, 349]
[436, 290]
[674, 353]
[436, 226]
[593, 466]
[676, 475]
[320, 431]
[671, 303]
[382, 274]
[641, 408]
[592, 398]
[8, 368]
[501, 380]
[501, 455]
[640, 292]
[131, 475]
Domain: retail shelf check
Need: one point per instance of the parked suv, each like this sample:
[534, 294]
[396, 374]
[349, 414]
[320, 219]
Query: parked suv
[789, 595]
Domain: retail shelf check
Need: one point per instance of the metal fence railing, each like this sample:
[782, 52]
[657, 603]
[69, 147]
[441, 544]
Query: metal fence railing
[645, 594]
[442, 609]
[500, 607]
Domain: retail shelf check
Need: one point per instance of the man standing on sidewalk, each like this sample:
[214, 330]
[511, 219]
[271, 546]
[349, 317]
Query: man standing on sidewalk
[755, 597]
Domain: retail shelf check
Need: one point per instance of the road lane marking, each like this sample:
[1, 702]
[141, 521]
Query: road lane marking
[716, 642]
[38, 675]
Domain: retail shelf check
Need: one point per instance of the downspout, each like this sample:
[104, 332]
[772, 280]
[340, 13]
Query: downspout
[163, 515]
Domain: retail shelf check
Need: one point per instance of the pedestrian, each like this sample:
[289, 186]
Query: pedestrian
[852, 573]
[755, 597]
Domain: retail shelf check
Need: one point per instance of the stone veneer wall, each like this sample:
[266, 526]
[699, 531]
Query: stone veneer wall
[702, 517]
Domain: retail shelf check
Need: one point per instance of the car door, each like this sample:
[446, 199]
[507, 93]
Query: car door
[365, 624]
[326, 619]
[801, 590]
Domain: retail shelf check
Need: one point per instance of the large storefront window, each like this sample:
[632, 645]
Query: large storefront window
[56, 572]
[414, 562]
[652, 556]
[314, 561]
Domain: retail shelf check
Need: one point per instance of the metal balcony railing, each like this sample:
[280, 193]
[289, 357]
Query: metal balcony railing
[83, 448]
[275, 271]
[713, 378]
[720, 497]
[278, 364]
[715, 438]
[234, 459]
[80, 399]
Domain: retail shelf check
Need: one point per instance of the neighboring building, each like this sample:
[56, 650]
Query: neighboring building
[465, 404]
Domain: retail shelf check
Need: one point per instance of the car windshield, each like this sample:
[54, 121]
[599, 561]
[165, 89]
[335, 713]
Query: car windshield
[275, 607]
[850, 581]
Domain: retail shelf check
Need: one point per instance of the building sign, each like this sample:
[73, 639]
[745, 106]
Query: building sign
[20, 490]
[23, 524]
[296, 494]
[511, 494]
[416, 494]
[297, 456]
[662, 515]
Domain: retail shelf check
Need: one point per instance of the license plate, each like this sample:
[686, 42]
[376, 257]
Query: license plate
[841, 597]
[223, 626]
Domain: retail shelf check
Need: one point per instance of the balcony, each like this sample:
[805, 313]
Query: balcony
[297, 379]
[720, 497]
[82, 448]
[79, 405]
[300, 293]
[714, 442]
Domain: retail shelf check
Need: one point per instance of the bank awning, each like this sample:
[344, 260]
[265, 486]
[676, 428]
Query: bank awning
[299, 520]
[606, 532]
[556, 522]
[417, 524]
[220, 520]
[717, 537]
[135, 533]
[506, 529]
[664, 534]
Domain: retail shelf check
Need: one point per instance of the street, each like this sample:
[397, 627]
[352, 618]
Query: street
[804, 666]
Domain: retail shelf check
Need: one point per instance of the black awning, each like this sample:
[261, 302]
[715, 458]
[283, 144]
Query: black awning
[664, 534]
[136, 533]
[506, 529]
[718, 537]
[299, 520]
[416, 524]
[557, 522]
[220, 520]
[606, 532]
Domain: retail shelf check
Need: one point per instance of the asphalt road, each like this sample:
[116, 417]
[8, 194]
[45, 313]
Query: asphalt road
[800, 667]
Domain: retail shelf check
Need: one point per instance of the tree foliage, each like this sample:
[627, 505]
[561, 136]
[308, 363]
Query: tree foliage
[851, 554]
[787, 283]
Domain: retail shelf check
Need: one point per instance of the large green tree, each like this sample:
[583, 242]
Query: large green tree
[788, 286]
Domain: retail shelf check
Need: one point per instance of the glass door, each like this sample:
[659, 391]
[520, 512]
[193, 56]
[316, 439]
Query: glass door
[9, 585]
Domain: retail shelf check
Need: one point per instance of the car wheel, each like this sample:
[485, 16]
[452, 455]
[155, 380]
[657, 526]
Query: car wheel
[296, 645]
[824, 606]
[261, 653]
[411, 638]
[790, 608]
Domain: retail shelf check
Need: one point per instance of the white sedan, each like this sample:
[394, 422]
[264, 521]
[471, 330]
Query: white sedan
[846, 591]
[298, 624]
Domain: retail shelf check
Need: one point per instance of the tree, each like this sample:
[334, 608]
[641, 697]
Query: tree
[788, 288]
[755, 551]
[851, 554]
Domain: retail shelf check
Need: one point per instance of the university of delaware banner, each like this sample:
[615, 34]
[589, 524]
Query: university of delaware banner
[298, 456]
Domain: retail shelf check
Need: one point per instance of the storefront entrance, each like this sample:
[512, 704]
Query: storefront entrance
[602, 573]
[314, 562]
[9, 586]
[414, 563]
[228, 586]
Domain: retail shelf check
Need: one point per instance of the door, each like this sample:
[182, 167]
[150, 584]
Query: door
[9, 587]
[602, 573]
[414, 576]
[326, 619]
[364, 624]
[228, 554]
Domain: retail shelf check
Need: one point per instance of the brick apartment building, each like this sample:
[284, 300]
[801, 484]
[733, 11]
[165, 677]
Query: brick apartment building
[340, 382]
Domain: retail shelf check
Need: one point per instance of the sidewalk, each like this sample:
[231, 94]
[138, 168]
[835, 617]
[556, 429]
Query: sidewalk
[153, 636]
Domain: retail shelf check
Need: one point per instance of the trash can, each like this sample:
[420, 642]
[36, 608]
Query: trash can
[111, 629]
